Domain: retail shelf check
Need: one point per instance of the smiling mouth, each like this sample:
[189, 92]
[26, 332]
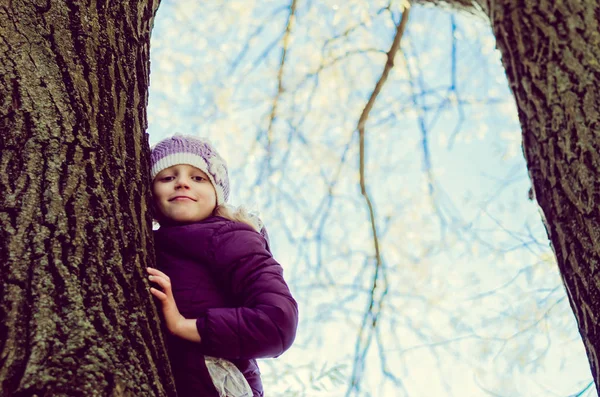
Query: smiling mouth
[182, 198]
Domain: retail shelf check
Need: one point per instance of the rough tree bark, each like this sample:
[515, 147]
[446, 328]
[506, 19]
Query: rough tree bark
[76, 317]
[551, 53]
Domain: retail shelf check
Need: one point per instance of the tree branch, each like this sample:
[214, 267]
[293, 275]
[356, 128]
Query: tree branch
[286, 40]
[475, 7]
[373, 311]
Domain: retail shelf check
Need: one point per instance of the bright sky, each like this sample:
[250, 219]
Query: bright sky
[474, 305]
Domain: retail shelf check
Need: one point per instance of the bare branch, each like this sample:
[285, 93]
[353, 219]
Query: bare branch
[372, 311]
[286, 41]
[475, 7]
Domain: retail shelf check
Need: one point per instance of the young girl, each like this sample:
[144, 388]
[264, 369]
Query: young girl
[224, 299]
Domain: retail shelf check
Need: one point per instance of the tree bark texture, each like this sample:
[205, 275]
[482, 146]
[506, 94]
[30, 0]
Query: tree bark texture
[76, 316]
[551, 53]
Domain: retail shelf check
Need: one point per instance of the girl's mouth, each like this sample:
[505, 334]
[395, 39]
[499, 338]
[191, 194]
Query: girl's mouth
[182, 198]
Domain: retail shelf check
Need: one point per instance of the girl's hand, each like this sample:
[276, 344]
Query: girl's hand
[176, 323]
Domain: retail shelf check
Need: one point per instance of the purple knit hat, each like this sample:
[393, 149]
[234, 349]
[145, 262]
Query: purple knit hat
[194, 151]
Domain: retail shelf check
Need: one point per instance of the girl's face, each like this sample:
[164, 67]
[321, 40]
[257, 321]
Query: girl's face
[183, 193]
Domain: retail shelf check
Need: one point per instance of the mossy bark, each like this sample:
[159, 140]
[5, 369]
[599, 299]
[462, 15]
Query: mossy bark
[76, 317]
[551, 53]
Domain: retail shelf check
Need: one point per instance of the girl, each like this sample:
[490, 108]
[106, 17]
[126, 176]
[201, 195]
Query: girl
[224, 299]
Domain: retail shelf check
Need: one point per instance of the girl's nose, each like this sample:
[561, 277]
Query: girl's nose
[182, 183]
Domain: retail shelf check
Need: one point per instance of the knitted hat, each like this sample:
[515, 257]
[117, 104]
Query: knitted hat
[194, 151]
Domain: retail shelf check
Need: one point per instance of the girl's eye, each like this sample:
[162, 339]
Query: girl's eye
[167, 178]
[198, 178]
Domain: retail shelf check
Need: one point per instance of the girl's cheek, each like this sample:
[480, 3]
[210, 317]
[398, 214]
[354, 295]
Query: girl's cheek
[156, 208]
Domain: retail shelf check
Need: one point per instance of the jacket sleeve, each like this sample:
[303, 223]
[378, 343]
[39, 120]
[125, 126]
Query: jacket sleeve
[264, 324]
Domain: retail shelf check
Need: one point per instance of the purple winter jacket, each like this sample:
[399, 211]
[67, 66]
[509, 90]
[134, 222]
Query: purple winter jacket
[223, 274]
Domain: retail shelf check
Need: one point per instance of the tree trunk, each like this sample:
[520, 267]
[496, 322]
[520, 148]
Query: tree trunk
[76, 317]
[551, 53]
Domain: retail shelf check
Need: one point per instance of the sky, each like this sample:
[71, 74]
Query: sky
[468, 298]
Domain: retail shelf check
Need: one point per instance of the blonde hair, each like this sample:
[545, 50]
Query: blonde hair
[238, 214]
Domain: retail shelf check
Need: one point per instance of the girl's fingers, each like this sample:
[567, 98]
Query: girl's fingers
[156, 272]
[165, 284]
[163, 281]
[160, 295]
